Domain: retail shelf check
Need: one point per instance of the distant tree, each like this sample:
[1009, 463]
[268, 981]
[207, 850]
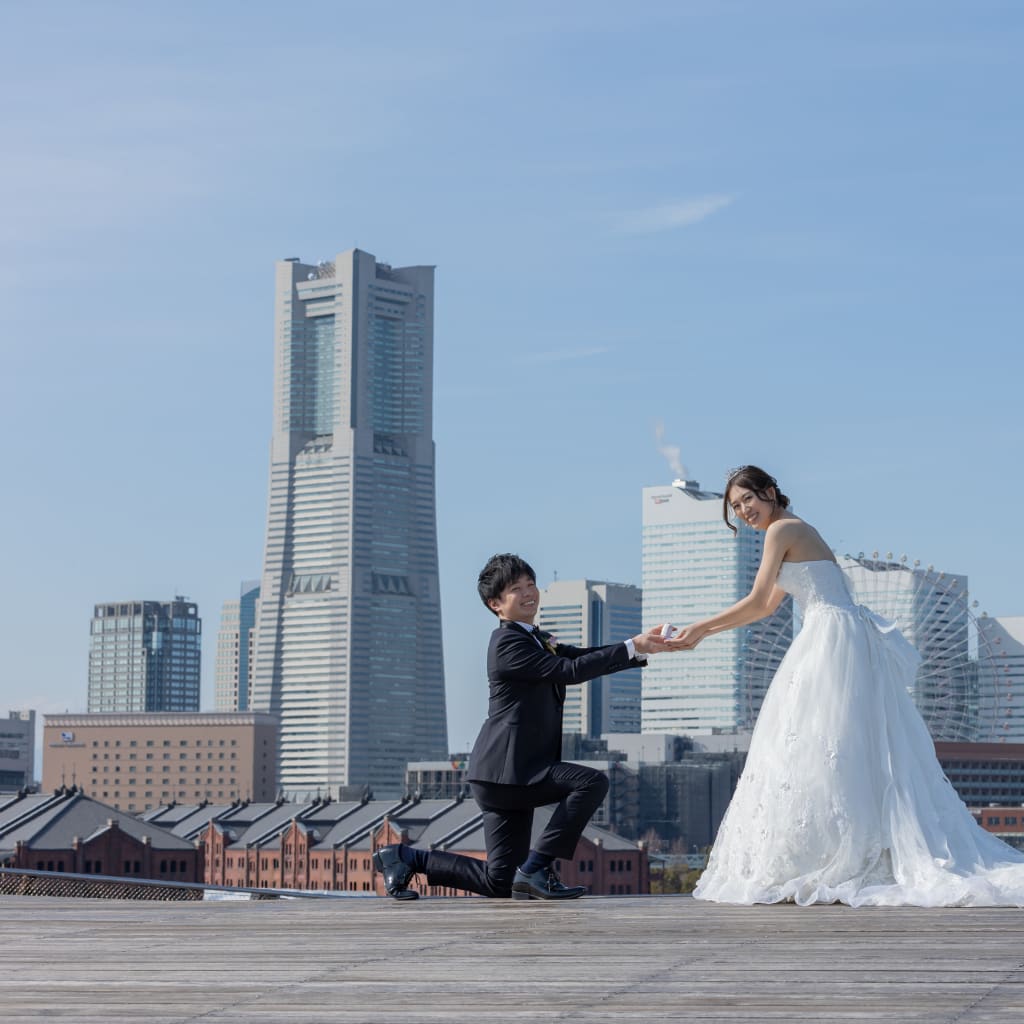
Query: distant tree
[675, 878]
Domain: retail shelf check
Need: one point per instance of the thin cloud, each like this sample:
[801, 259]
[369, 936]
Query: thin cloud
[672, 215]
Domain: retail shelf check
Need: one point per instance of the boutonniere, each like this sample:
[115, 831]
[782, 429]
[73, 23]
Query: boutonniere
[549, 642]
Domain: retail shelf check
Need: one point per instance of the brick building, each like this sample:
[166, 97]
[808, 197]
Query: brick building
[1005, 822]
[328, 846]
[66, 831]
[138, 761]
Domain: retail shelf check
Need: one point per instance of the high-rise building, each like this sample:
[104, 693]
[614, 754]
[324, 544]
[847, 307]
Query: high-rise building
[348, 636]
[144, 656]
[693, 567]
[17, 750]
[1000, 679]
[592, 613]
[233, 669]
[930, 609]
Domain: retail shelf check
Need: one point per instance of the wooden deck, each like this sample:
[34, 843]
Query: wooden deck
[472, 960]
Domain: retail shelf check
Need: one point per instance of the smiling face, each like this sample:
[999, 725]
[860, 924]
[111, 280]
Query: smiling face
[518, 601]
[754, 510]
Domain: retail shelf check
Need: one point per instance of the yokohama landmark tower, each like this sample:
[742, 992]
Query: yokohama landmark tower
[348, 635]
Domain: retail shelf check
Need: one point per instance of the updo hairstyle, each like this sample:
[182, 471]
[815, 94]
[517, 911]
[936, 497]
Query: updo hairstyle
[755, 479]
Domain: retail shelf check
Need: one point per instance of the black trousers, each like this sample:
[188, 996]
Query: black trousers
[508, 826]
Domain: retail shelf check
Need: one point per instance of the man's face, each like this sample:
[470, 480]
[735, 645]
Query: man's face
[518, 601]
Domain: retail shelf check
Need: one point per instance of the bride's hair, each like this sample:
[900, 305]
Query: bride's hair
[757, 480]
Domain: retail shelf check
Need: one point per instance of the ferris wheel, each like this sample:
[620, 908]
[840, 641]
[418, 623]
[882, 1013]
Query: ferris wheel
[964, 686]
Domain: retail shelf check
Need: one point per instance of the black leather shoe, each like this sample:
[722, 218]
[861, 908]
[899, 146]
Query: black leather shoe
[397, 874]
[544, 885]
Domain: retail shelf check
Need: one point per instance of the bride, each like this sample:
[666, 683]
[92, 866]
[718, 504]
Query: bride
[842, 799]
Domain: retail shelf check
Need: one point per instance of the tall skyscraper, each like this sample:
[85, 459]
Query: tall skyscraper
[591, 613]
[1000, 679]
[144, 656]
[693, 566]
[930, 609]
[348, 636]
[233, 669]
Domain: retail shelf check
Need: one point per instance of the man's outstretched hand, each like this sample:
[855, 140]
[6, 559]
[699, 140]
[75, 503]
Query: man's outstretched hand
[651, 642]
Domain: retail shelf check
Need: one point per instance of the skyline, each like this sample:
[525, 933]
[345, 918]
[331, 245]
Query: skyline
[787, 237]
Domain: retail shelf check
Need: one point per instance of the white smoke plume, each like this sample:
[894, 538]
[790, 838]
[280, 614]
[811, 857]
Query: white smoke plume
[670, 451]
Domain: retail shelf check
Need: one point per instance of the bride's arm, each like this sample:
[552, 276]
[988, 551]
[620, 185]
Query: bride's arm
[764, 597]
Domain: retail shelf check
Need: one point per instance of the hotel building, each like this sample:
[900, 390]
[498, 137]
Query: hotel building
[137, 761]
[694, 566]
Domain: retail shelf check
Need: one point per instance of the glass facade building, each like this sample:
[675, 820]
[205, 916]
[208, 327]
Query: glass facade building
[144, 656]
[693, 567]
[930, 609]
[592, 613]
[348, 634]
[17, 750]
[233, 669]
[1000, 679]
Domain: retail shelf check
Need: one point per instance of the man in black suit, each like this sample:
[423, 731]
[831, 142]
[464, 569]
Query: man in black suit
[516, 764]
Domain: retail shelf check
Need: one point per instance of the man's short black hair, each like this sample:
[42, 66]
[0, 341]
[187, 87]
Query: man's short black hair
[500, 572]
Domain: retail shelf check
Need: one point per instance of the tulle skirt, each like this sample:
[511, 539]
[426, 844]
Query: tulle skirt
[842, 798]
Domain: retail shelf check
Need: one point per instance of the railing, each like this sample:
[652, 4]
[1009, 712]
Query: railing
[23, 882]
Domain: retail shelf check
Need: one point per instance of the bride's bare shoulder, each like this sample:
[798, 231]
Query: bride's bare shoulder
[791, 528]
[799, 539]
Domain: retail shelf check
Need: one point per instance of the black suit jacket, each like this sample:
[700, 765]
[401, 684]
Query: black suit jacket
[522, 736]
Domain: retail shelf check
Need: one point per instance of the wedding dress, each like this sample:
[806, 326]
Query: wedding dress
[842, 798]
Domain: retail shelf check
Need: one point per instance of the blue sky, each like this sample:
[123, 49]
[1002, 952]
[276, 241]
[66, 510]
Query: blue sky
[788, 233]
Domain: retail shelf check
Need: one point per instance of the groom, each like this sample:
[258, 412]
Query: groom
[516, 764]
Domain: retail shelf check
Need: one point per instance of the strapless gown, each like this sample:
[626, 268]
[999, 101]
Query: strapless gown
[842, 798]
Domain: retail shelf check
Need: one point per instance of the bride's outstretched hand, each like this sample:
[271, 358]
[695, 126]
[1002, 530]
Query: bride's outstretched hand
[687, 638]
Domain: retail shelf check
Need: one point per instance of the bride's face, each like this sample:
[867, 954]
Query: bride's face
[754, 511]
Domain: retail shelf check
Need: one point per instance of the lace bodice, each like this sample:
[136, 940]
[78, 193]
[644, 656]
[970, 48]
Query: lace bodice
[817, 582]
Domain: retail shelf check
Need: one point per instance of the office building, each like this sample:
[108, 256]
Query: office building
[233, 669]
[348, 635]
[137, 761]
[17, 750]
[984, 773]
[144, 656]
[593, 613]
[693, 566]
[930, 609]
[1000, 679]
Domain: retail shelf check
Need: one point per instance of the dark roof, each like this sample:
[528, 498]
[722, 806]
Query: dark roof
[53, 821]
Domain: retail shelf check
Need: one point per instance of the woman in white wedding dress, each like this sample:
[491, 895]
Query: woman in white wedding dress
[842, 798]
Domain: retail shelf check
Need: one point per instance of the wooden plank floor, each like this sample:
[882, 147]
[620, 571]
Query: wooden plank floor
[470, 960]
